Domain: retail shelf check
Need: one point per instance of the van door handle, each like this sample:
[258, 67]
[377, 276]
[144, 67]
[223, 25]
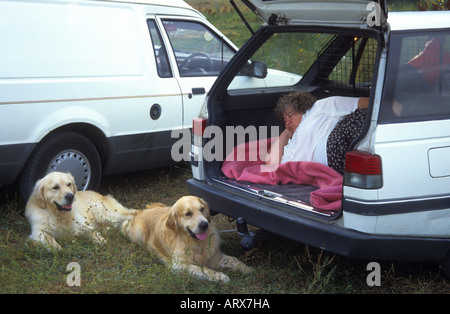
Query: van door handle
[198, 90]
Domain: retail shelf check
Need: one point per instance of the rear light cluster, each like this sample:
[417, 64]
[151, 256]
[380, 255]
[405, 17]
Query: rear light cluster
[363, 170]
[196, 154]
[198, 127]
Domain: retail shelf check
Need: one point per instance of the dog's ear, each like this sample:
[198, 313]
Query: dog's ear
[73, 185]
[38, 195]
[172, 220]
[206, 209]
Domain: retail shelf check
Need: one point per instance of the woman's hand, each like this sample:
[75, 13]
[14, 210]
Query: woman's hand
[363, 103]
[273, 157]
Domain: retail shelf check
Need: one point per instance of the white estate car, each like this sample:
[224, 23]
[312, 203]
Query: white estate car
[394, 195]
[97, 87]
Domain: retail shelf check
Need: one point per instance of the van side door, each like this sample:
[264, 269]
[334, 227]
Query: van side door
[149, 122]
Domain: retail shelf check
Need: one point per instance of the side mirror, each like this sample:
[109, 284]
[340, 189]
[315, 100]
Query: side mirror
[258, 69]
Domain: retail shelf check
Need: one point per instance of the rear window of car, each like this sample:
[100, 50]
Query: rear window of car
[292, 52]
[417, 83]
[339, 60]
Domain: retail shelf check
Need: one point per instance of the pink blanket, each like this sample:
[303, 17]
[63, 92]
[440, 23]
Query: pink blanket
[250, 168]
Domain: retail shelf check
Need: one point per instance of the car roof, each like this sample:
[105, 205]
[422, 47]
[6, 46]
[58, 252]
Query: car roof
[413, 20]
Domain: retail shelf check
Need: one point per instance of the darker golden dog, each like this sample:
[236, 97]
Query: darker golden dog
[184, 237]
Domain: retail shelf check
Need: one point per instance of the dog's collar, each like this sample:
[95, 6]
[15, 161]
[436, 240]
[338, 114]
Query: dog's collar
[65, 208]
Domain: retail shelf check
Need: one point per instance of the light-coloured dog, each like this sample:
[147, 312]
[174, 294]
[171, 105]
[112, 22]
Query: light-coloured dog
[184, 238]
[55, 209]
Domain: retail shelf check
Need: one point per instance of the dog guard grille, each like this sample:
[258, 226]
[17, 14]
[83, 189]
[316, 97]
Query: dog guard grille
[355, 69]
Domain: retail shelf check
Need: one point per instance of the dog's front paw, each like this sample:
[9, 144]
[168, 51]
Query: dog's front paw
[247, 269]
[100, 240]
[218, 276]
[97, 238]
[48, 241]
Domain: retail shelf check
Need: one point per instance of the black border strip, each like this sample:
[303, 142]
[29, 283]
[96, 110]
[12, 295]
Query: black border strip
[390, 207]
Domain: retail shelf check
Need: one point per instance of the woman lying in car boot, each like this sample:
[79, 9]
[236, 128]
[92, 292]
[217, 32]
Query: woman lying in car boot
[317, 130]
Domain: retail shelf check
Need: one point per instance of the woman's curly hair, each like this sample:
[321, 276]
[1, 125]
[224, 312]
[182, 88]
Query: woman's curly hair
[299, 101]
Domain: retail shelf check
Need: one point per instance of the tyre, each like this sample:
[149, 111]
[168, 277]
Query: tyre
[64, 151]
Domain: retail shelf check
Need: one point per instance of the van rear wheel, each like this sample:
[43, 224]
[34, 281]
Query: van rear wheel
[64, 152]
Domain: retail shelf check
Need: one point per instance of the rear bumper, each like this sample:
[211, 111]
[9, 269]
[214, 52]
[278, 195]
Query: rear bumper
[319, 233]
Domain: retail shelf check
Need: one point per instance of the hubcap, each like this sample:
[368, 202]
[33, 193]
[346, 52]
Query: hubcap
[74, 162]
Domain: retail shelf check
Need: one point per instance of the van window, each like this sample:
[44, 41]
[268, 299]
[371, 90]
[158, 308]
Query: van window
[162, 62]
[417, 84]
[198, 51]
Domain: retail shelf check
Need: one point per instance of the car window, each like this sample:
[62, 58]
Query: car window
[344, 61]
[198, 50]
[288, 56]
[355, 69]
[417, 85]
[162, 61]
[291, 52]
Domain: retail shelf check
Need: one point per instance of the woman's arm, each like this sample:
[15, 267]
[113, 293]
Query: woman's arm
[273, 158]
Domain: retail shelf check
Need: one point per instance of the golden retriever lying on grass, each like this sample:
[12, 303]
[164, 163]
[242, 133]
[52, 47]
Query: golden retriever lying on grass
[55, 208]
[184, 237]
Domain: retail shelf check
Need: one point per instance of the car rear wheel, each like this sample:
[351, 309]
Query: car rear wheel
[64, 152]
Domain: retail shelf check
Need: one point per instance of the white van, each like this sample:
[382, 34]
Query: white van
[96, 87]
[391, 200]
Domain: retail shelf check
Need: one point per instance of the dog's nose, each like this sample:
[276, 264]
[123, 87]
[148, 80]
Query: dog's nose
[69, 197]
[203, 225]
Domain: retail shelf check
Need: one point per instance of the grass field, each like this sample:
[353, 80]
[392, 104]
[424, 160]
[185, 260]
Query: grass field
[282, 266]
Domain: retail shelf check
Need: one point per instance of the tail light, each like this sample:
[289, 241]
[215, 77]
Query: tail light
[198, 127]
[196, 154]
[363, 170]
